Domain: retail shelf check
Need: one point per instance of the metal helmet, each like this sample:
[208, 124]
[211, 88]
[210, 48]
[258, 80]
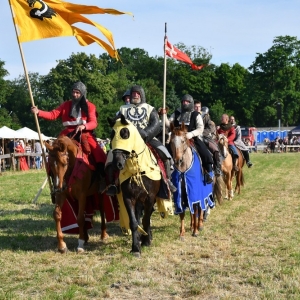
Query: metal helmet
[127, 93]
[204, 110]
[187, 107]
[140, 90]
[80, 87]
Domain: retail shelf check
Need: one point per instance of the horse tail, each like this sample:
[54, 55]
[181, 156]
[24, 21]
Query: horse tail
[217, 189]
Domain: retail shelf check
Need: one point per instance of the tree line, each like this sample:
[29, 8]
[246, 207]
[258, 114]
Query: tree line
[251, 94]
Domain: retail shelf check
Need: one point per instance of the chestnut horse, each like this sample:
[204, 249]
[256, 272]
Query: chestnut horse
[239, 175]
[227, 165]
[139, 176]
[192, 193]
[65, 159]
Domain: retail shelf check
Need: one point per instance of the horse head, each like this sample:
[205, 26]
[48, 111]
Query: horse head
[179, 143]
[59, 160]
[126, 141]
[223, 145]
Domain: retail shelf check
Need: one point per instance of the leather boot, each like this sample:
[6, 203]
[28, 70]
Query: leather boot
[208, 179]
[112, 189]
[218, 165]
[235, 167]
[167, 165]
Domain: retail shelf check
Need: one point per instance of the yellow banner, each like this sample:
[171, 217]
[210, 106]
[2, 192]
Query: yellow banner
[40, 19]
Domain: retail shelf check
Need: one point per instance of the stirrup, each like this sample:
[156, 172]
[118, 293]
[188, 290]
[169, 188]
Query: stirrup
[172, 188]
[112, 190]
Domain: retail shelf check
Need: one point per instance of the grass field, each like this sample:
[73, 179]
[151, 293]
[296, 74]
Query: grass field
[249, 248]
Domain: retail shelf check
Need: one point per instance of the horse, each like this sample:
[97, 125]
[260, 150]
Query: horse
[72, 179]
[139, 177]
[239, 175]
[199, 197]
[227, 165]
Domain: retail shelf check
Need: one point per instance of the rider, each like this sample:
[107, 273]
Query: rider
[209, 137]
[145, 118]
[239, 143]
[193, 120]
[78, 115]
[126, 97]
[228, 130]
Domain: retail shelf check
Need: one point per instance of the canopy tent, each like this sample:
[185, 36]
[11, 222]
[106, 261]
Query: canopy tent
[295, 131]
[7, 133]
[30, 134]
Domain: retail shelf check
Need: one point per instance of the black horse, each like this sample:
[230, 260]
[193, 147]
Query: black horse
[139, 176]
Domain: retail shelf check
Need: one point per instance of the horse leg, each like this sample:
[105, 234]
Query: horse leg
[148, 209]
[104, 234]
[201, 219]
[81, 222]
[196, 220]
[181, 228]
[57, 216]
[133, 224]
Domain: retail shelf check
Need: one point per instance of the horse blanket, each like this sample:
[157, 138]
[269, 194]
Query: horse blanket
[196, 189]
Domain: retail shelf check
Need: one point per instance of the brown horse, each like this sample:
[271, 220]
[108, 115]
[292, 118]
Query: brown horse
[187, 162]
[66, 158]
[140, 179]
[227, 165]
[239, 175]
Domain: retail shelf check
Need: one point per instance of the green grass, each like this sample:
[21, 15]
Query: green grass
[249, 248]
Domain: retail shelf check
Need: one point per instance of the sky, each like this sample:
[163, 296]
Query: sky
[233, 31]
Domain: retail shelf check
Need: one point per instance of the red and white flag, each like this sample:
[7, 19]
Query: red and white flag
[173, 52]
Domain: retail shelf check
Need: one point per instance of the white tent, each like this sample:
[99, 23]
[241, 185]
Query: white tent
[7, 133]
[30, 134]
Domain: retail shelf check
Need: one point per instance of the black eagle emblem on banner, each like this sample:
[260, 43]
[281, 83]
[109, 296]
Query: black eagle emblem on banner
[43, 12]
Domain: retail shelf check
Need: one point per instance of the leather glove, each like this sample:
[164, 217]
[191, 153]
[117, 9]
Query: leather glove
[189, 135]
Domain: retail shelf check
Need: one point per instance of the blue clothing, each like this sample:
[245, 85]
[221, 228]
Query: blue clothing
[196, 189]
[234, 150]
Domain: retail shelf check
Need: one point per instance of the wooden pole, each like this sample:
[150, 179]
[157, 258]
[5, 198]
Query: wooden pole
[39, 192]
[31, 97]
[164, 89]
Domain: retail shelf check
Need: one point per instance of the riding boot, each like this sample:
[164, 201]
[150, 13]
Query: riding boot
[167, 165]
[235, 167]
[101, 174]
[247, 158]
[208, 179]
[218, 165]
[112, 189]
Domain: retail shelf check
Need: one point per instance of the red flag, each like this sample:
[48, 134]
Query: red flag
[173, 52]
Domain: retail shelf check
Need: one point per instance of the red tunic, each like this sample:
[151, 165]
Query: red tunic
[230, 134]
[70, 124]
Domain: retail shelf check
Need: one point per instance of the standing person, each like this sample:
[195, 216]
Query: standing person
[38, 150]
[22, 159]
[228, 130]
[28, 150]
[145, 118]
[193, 120]
[239, 143]
[78, 115]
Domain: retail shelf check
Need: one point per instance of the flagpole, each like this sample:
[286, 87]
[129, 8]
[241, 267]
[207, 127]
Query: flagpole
[30, 94]
[164, 89]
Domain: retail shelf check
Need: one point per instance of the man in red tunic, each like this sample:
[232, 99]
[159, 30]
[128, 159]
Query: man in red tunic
[78, 115]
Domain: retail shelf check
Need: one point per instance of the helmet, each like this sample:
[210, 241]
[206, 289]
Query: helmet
[140, 90]
[204, 110]
[80, 87]
[187, 107]
[127, 93]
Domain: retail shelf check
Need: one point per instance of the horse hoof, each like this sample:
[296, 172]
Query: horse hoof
[181, 238]
[201, 228]
[63, 250]
[195, 235]
[80, 250]
[136, 254]
[104, 237]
